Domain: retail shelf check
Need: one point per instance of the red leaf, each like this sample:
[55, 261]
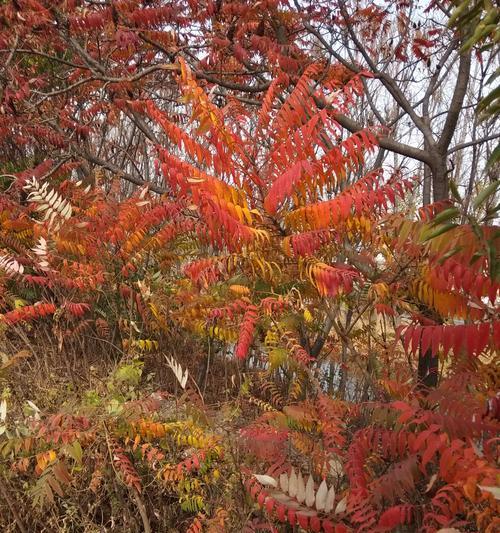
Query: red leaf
[256, 489]
[281, 513]
[447, 339]
[270, 505]
[496, 335]
[327, 526]
[492, 292]
[437, 333]
[471, 335]
[407, 337]
[426, 340]
[459, 333]
[434, 443]
[303, 521]
[315, 524]
[449, 458]
[421, 438]
[391, 518]
[415, 339]
[483, 336]
[283, 187]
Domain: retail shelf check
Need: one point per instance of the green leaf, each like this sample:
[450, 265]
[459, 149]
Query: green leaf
[454, 190]
[488, 99]
[476, 257]
[486, 193]
[449, 254]
[75, 451]
[461, 13]
[129, 373]
[445, 215]
[427, 236]
[493, 261]
[494, 157]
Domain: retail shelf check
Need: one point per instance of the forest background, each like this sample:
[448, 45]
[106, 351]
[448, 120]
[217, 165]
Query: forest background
[249, 266]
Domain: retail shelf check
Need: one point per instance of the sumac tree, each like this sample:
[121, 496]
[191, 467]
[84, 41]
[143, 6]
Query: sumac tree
[203, 190]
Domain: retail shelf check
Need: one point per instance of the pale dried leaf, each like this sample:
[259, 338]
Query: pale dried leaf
[336, 468]
[330, 500]
[176, 368]
[66, 212]
[55, 200]
[310, 495]
[301, 488]
[292, 484]
[341, 506]
[266, 480]
[285, 499]
[52, 217]
[284, 482]
[51, 197]
[432, 480]
[321, 495]
[494, 490]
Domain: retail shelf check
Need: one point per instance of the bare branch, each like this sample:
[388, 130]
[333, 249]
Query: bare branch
[386, 142]
[463, 145]
[136, 180]
[456, 102]
[28, 51]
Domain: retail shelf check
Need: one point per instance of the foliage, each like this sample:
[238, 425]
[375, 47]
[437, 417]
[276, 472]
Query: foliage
[118, 446]
[269, 334]
[480, 20]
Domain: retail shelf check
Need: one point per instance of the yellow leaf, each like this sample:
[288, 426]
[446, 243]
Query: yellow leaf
[18, 302]
[240, 290]
[277, 356]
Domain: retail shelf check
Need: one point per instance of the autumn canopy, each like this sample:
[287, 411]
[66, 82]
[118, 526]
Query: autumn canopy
[249, 266]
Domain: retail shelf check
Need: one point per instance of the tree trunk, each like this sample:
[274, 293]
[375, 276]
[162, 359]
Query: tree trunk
[428, 369]
[440, 184]
[426, 193]
[428, 363]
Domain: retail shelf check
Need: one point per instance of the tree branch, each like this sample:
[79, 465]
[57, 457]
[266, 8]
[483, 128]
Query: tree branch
[386, 142]
[397, 94]
[456, 102]
[434, 78]
[212, 79]
[27, 51]
[463, 145]
[387, 80]
[136, 180]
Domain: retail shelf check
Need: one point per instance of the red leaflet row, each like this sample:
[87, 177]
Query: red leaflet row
[471, 339]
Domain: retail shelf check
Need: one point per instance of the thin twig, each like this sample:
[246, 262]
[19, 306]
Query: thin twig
[139, 502]
[6, 496]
